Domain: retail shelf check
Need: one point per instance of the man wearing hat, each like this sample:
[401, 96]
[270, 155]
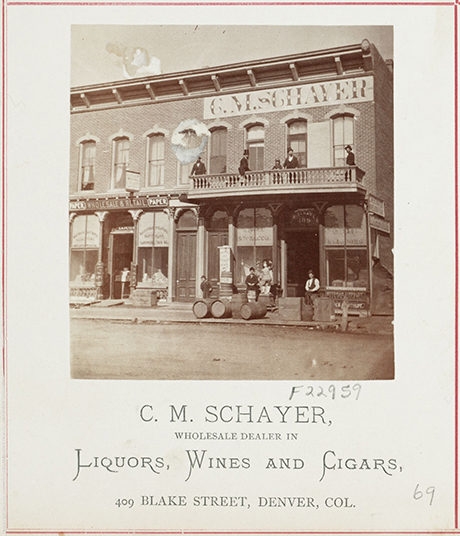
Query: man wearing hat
[311, 288]
[198, 167]
[291, 160]
[350, 161]
[244, 163]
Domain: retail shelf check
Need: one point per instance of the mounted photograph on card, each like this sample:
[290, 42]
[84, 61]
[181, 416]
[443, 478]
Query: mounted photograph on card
[231, 208]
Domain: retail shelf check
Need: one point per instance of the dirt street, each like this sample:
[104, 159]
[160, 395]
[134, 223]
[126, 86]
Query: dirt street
[107, 349]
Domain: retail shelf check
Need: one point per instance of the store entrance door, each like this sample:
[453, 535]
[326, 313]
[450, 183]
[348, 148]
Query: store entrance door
[186, 266]
[120, 257]
[302, 255]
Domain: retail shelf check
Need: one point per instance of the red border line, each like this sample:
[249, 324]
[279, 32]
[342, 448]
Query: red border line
[456, 261]
[218, 4]
[4, 257]
[455, 4]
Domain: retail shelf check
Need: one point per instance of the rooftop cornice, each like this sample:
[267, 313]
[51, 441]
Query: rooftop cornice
[231, 77]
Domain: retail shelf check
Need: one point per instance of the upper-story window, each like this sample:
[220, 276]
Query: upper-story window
[255, 141]
[297, 140]
[120, 162]
[343, 127]
[218, 151]
[156, 160]
[87, 164]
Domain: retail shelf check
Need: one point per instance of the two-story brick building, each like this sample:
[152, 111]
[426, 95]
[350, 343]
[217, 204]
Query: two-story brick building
[133, 203]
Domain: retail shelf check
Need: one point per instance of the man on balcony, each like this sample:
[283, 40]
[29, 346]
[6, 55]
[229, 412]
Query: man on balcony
[291, 162]
[198, 167]
[350, 161]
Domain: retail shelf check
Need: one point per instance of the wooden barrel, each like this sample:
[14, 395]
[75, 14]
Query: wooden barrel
[252, 310]
[237, 301]
[221, 308]
[202, 308]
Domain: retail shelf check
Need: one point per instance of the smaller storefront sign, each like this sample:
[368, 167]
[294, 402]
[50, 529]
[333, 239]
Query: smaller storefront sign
[378, 223]
[225, 264]
[259, 236]
[358, 300]
[133, 181]
[304, 218]
[336, 237]
[376, 205]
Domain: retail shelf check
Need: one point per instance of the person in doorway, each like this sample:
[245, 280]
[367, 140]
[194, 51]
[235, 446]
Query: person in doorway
[206, 287]
[125, 273]
[311, 288]
[266, 278]
[198, 167]
[252, 283]
[350, 161]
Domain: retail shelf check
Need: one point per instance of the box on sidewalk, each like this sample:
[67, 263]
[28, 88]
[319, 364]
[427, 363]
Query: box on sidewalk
[143, 297]
[290, 308]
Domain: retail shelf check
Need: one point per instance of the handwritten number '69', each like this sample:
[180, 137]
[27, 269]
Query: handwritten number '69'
[419, 494]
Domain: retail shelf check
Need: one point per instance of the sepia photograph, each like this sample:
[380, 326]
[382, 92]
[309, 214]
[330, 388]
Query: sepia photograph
[230, 268]
[231, 202]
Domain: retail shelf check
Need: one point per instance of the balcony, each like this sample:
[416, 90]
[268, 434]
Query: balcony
[335, 180]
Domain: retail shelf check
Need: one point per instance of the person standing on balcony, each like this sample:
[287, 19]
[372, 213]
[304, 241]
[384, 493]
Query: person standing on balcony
[350, 161]
[198, 167]
[244, 163]
[277, 176]
[291, 162]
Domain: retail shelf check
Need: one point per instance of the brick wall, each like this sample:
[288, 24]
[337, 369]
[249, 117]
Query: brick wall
[136, 120]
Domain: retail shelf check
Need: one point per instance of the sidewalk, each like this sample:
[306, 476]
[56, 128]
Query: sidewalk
[119, 311]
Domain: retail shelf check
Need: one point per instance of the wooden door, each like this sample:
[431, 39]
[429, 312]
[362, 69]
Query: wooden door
[215, 239]
[186, 266]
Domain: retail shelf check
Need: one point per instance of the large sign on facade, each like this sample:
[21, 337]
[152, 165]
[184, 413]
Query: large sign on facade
[115, 203]
[347, 91]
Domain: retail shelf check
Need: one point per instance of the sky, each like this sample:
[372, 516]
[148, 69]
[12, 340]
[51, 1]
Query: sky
[182, 48]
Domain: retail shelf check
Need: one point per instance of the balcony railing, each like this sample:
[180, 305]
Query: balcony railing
[349, 178]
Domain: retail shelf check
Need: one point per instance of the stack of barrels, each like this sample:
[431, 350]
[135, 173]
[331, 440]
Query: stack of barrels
[237, 307]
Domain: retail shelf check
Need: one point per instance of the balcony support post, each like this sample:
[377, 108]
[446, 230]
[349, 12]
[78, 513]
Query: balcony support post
[172, 245]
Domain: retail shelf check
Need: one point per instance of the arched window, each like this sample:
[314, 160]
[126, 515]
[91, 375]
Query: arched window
[255, 141]
[218, 151]
[297, 140]
[120, 162]
[343, 127]
[87, 164]
[156, 160]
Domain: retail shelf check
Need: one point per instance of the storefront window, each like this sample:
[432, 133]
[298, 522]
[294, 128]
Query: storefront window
[153, 242]
[254, 240]
[346, 246]
[84, 250]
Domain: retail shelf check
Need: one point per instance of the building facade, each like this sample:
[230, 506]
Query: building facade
[135, 205]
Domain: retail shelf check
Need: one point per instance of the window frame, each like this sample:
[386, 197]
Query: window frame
[219, 129]
[346, 142]
[151, 138]
[289, 142]
[115, 141]
[253, 142]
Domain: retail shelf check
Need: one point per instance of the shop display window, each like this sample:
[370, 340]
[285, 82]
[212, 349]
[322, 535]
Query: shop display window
[346, 251]
[84, 250]
[254, 240]
[153, 241]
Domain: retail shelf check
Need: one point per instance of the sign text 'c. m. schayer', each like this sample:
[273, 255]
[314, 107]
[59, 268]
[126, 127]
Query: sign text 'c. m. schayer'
[305, 96]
